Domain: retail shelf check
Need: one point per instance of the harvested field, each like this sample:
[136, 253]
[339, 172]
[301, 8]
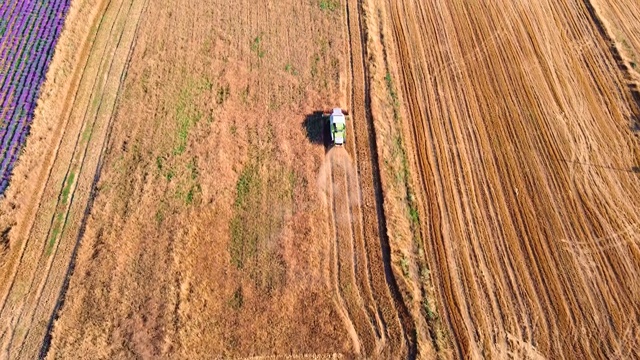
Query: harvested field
[521, 129]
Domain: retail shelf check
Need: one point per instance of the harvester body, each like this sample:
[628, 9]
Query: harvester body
[338, 126]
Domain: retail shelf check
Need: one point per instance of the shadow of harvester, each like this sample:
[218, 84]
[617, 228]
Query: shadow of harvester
[317, 129]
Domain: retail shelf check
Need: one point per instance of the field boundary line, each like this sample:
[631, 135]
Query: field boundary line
[83, 223]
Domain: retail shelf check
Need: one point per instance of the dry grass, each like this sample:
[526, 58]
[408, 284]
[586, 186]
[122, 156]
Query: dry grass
[205, 236]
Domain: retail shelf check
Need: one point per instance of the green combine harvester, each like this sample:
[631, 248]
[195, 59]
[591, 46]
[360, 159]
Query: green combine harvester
[337, 125]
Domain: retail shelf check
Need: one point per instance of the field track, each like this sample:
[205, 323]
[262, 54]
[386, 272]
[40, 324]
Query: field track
[521, 129]
[35, 284]
[373, 301]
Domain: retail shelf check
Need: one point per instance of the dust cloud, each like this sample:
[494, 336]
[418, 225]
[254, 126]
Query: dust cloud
[336, 176]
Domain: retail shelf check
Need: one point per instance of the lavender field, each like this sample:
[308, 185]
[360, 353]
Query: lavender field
[29, 30]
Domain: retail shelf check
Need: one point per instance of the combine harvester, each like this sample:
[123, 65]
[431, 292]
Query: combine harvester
[337, 125]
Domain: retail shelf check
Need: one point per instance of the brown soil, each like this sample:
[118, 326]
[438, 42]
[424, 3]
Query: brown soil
[519, 122]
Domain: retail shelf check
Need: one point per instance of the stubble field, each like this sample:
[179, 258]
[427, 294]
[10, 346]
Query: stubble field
[522, 129]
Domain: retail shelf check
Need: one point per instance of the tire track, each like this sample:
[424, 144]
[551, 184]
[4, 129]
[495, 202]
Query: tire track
[341, 306]
[352, 278]
[395, 315]
[362, 272]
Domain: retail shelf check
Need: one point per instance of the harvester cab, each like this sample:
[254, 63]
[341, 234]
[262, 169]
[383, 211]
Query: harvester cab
[337, 125]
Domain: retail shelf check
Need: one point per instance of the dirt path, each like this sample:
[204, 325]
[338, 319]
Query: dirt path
[392, 310]
[37, 279]
[525, 161]
[343, 265]
[350, 269]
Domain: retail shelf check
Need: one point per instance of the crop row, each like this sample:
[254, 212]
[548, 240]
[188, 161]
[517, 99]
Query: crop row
[29, 30]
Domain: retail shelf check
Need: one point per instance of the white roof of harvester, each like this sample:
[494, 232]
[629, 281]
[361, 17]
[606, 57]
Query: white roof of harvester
[337, 115]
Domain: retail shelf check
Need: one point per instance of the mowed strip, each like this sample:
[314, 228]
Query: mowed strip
[520, 125]
[43, 267]
[391, 309]
[351, 268]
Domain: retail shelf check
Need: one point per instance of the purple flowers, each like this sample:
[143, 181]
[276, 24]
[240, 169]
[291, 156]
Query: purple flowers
[29, 30]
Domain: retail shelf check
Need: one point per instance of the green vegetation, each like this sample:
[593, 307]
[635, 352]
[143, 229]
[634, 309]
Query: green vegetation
[187, 115]
[207, 46]
[290, 69]
[144, 80]
[256, 46]
[3, 27]
[207, 84]
[244, 95]
[169, 174]
[404, 264]
[67, 187]
[243, 241]
[403, 179]
[86, 134]
[393, 94]
[628, 49]
[159, 161]
[173, 165]
[222, 94]
[431, 315]
[314, 65]
[237, 299]
[58, 225]
[159, 216]
[264, 194]
[329, 5]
